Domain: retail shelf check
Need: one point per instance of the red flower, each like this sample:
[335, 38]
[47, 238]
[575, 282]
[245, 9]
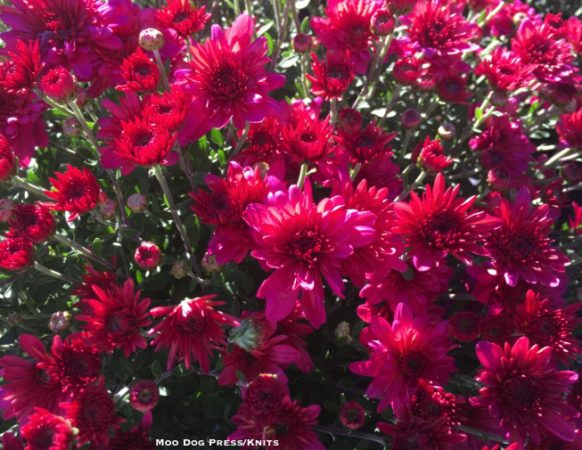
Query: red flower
[263, 144]
[139, 72]
[144, 395]
[182, 17]
[223, 206]
[331, 77]
[257, 349]
[115, 316]
[365, 144]
[193, 329]
[521, 247]
[6, 159]
[348, 26]
[75, 190]
[570, 129]
[147, 255]
[16, 253]
[430, 155]
[302, 242]
[264, 394]
[58, 84]
[168, 108]
[439, 224]
[438, 29]
[401, 355]
[45, 431]
[145, 144]
[229, 79]
[537, 44]
[524, 391]
[352, 415]
[464, 326]
[504, 70]
[550, 327]
[25, 384]
[33, 222]
[92, 411]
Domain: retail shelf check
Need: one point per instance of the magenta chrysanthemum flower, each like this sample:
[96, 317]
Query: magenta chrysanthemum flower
[191, 330]
[524, 391]
[504, 70]
[75, 191]
[332, 76]
[521, 247]
[228, 76]
[439, 224]
[570, 129]
[438, 29]
[303, 242]
[45, 430]
[401, 354]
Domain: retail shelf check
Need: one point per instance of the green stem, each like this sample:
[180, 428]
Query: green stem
[162, 69]
[21, 183]
[282, 34]
[348, 433]
[83, 250]
[333, 111]
[302, 175]
[242, 140]
[558, 156]
[53, 273]
[419, 179]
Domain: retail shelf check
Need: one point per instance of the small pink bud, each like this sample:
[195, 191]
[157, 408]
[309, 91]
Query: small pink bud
[180, 269]
[147, 255]
[59, 321]
[59, 84]
[144, 395]
[137, 203]
[6, 208]
[383, 22]
[411, 118]
[302, 43]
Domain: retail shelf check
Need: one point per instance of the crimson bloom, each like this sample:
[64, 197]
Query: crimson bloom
[6, 159]
[440, 223]
[33, 222]
[144, 395]
[504, 70]
[352, 415]
[75, 191]
[45, 430]
[430, 155]
[147, 255]
[331, 77]
[524, 391]
[570, 129]
[228, 76]
[182, 17]
[521, 247]
[16, 253]
[193, 329]
[139, 72]
[115, 316]
[302, 242]
[58, 84]
[401, 355]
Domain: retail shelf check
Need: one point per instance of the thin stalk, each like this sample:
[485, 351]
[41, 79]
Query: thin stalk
[302, 175]
[333, 111]
[419, 179]
[53, 273]
[21, 183]
[282, 34]
[353, 434]
[83, 250]
[162, 69]
[236, 7]
[242, 139]
[558, 156]
[159, 173]
[277, 12]
[249, 7]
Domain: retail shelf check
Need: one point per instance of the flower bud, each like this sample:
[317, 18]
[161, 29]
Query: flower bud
[107, 207]
[147, 255]
[71, 127]
[180, 269]
[302, 43]
[342, 331]
[151, 39]
[247, 335]
[59, 84]
[137, 203]
[13, 319]
[447, 131]
[6, 209]
[144, 395]
[209, 263]
[59, 321]
[383, 22]
[411, 118]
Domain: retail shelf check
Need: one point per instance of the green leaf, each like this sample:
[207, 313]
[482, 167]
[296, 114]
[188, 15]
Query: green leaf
[304, 25]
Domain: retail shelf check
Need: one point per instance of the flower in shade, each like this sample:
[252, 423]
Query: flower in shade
[504, 70]
[181, 16]
[223, 205]
[414, 432]
[439, 30]
[228, 77]
[144, 395]
[136, 438]
[145, 144]
[191, 331]
[524, 391]
[263, 394]
[348, 26]
[549, 327]
[401, 355]
[139, 72]
[25, 384]
[430, 155]
[75, 191]
[58, 83]
[440, 223]
[551, 57]
[569, 129]
[290, 424]
[503, 147]
[33, 222]
[16, 254]
[302, 242]
[46, 431]
[331, 77]
[114, 317]
[147, 255]
[258, 348]
[464, 326]
[521, 247]
[352, 415]
[6, 159]
[92, 412]
[92, 277]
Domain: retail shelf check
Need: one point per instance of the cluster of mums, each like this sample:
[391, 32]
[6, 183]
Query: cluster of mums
[314, 192]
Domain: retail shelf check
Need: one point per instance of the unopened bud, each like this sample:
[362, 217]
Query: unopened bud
[59, 84]
[151, 39]
[343, 331]
[137, 203]
[107, 207]
[6, 209]
[71, 127]
[59, 321]
[247, 335]
[209, 263]
[383, 22]
[180, 269]
[447, 131]
[302, 43]
[411, 118]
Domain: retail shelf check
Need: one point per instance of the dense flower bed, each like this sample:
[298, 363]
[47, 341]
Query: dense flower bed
[289, 224]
